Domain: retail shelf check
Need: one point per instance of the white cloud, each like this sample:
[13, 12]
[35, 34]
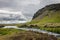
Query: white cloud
[10, 12]
[47, 2]
[5, 13]
[27, 2]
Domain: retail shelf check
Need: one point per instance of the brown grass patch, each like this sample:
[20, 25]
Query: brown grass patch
[28, 36]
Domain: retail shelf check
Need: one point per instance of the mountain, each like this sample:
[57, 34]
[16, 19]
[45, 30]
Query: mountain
[48, 14]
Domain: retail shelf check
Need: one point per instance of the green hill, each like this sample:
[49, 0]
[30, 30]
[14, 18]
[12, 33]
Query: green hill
[48, 14]
[47, 18]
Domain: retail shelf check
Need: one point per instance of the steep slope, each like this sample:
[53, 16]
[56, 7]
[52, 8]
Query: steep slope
[48, 14]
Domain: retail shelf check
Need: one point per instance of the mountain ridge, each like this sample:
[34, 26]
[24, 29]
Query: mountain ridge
[51, 7]
[48, 14]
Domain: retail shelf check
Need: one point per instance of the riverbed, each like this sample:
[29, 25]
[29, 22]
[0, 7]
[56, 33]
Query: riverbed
[35, 30]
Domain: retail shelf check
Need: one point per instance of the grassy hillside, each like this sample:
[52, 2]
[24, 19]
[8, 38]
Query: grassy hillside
[47, 18]
[48, 14]
[43, 12]
[54, 17]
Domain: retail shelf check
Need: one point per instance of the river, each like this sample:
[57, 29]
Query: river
[35, 30]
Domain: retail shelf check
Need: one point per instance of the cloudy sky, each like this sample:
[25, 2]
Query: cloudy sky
[27, 8]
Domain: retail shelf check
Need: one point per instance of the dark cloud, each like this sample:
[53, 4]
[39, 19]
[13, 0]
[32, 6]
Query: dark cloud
[27, 7]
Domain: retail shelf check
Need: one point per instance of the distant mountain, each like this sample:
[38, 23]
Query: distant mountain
[48, 14]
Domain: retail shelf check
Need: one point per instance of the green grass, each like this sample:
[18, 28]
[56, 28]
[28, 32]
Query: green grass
[4, 31]
[53, 18]
[55, 30]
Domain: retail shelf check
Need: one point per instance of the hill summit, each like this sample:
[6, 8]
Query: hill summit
[48, 14]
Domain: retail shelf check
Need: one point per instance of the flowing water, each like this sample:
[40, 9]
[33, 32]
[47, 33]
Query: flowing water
[35, 30]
